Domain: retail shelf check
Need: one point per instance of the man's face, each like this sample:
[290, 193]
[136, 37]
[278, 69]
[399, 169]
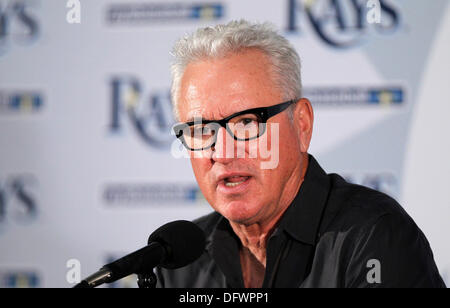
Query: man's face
[237, 186]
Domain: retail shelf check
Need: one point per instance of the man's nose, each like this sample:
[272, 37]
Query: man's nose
[223, 149]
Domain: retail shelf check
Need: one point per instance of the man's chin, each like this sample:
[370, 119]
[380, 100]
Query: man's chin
[240, 212]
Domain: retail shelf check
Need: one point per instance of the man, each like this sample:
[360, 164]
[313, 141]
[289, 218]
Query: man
[289, 224]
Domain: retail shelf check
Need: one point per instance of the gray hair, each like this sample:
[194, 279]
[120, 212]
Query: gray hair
[218, 41]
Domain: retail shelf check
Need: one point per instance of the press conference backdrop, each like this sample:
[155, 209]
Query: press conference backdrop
[86, 170]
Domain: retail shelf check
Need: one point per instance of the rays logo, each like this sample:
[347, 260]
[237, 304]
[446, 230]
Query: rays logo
[18, 200]
[150, 116]
[17, 25]
[341, 23]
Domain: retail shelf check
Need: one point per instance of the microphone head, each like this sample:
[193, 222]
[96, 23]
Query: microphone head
[183, 240]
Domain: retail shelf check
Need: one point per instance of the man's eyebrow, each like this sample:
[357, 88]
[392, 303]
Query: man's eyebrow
[196, 119]
[200, 118]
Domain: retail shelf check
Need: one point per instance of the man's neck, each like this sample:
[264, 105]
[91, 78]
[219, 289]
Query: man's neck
[254, 237]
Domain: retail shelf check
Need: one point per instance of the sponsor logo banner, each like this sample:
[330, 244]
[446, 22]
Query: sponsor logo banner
[143, 13]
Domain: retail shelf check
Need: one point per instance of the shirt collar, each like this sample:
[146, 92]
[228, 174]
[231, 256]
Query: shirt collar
[303, 217]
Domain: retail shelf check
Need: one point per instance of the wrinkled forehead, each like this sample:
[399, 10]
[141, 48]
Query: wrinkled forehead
[218, 88]
[213, 111]
[198, 113]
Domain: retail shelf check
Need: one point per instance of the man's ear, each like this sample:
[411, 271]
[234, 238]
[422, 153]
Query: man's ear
[304, 119]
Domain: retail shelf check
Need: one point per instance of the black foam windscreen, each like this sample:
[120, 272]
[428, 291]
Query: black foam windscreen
[183, 240]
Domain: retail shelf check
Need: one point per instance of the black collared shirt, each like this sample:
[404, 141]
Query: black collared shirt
[334, 234]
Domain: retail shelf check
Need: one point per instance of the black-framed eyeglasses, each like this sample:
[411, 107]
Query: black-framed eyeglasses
[242, 126]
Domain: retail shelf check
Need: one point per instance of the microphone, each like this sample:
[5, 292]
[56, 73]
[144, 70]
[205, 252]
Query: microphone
[175, 244]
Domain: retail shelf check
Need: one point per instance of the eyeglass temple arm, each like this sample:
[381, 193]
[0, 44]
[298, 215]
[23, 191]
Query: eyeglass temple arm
[279, 108]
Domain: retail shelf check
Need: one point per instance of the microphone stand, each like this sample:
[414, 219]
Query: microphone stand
[147, 281]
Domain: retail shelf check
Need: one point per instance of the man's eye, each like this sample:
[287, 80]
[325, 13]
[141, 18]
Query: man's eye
[247, 121]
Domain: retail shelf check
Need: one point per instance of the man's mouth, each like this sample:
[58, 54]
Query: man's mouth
[234, 181]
